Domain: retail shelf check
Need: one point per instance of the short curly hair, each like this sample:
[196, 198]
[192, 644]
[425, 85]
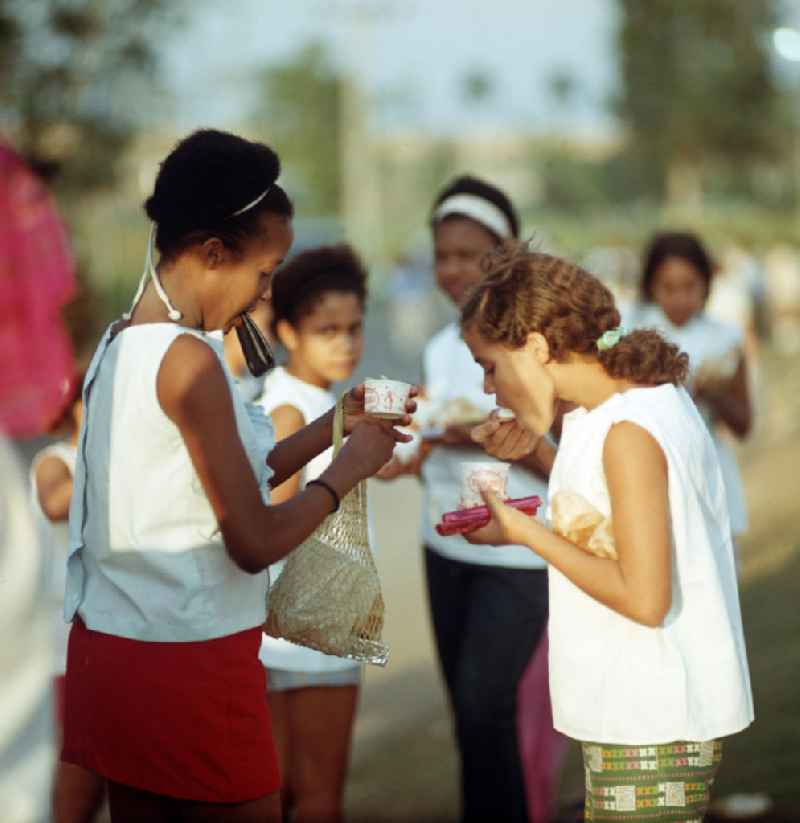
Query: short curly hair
[526, 291]
[298, 286]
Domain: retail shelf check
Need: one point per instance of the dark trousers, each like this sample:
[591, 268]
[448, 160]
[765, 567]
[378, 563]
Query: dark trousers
[488, 621]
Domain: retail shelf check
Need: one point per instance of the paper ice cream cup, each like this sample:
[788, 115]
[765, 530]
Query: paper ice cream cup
[482, 476]
[386, 398]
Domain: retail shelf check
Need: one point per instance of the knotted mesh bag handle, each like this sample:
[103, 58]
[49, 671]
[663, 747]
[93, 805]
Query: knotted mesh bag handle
[356, 499]
[338, 424]
[328, 596]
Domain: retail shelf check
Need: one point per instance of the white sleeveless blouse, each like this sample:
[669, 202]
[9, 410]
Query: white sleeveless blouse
[147, 560]
[704, 339]
[613, 680]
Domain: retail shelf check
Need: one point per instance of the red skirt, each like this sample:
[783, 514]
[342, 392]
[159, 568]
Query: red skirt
[184, 720]
[59, 697]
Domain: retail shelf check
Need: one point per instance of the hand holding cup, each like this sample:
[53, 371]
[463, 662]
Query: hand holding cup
[386, 398]
[358, 405]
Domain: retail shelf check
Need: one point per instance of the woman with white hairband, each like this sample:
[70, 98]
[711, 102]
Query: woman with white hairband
[488, 605]
[170, 535]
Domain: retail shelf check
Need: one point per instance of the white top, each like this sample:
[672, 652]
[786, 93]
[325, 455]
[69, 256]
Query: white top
[55, 539]
[147, 560]
[452, 373]
[706, 341]
[282, 389]
[27, 746]
[249, 387]
[731, 298]
[616, 681]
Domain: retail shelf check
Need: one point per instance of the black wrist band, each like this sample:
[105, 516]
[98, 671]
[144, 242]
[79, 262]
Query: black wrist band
[328, 488]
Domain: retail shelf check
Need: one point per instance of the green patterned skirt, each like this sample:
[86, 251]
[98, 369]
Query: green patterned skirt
[671, 782]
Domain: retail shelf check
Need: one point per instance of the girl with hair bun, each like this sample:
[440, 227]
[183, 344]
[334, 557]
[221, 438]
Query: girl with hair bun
[171, 531]
[648, 668]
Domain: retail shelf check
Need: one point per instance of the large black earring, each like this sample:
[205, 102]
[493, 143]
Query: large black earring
[256, 350]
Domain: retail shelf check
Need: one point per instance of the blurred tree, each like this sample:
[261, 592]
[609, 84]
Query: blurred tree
[72, 73]
[562, 86]
[410, 178]
[477, 86]
[698, 95]
[567, 181]
[301, 114]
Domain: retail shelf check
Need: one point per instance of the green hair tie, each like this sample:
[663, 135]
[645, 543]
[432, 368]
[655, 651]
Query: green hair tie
[610, 338]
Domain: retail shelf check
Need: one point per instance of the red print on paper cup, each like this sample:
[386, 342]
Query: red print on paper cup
[386, 398]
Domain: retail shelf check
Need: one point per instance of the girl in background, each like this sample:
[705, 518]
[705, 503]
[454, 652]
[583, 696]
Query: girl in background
[488, 606]
[318, 315]
[648, 668]
[676, 281]
[77, 793]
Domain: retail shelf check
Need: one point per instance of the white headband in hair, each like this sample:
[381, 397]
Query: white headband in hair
[478, 209]
[252, 203]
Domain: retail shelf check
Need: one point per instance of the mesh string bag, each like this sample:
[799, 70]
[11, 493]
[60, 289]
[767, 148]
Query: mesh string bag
[328, 596]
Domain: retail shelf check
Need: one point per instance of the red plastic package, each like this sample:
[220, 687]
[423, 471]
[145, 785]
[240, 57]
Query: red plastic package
[468, 520]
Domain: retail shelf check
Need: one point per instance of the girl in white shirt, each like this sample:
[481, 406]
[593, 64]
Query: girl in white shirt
[318, 315]
[647, 657]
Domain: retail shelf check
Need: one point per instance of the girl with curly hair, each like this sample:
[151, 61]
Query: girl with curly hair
[648, 668]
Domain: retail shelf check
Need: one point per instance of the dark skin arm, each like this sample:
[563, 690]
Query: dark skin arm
[729, 400]
[286, 420]
[194, 394]
[413, 468]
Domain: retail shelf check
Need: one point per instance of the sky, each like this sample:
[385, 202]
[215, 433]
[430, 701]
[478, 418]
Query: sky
[411, 56]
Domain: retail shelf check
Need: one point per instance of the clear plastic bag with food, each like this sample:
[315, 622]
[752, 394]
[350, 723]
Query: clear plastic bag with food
[577, 520]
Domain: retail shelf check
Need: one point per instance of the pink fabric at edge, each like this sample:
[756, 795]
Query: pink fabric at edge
[37, 278]
[541, 746]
